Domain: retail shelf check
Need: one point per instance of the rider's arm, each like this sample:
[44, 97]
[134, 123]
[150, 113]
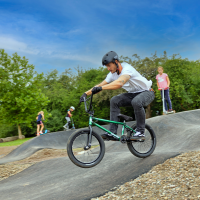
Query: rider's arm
[42, 116]
[117, 83]
[168, 81]
[89, 92]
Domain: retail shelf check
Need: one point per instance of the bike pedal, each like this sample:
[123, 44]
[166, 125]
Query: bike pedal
[140, 139]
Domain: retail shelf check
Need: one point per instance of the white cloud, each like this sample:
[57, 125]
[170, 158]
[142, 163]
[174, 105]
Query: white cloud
[76, 57]
[43, 51]
[9, 43]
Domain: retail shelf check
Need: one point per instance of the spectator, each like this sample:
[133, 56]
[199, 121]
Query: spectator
[40, 124]
[163, 82]
[68, 116]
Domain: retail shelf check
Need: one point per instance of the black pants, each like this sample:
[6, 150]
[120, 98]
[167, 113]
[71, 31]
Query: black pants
[137, 100]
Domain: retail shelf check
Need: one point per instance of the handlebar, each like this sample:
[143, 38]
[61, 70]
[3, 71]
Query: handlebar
[90, 106]
[163, 88]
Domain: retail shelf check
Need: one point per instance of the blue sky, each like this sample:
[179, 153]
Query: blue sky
[65, 34]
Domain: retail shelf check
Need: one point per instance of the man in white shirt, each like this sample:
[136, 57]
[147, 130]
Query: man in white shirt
[139, 93]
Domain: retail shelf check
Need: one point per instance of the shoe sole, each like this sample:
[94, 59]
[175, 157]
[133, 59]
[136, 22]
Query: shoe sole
[137, 138]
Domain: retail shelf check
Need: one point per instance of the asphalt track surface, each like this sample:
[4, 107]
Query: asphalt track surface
[60, 179]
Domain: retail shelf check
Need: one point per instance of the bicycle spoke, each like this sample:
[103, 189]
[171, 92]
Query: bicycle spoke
[144, 146]
[85, 156]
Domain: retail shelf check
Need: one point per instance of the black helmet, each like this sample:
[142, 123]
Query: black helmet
[111, 56]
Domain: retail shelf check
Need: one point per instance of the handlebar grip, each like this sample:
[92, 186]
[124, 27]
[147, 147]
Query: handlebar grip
[163, 88]
[85, 104]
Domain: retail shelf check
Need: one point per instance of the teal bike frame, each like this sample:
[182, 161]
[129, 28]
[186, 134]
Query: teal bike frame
[124, 126]
[93, 120]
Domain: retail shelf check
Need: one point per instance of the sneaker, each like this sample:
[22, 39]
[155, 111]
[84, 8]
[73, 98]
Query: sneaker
[170, 111]
[137, 136]
[107, 136]
[38, 134]
[66, 128]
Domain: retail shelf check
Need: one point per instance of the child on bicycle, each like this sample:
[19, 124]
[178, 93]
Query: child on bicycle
[164, 82]
[68, 116]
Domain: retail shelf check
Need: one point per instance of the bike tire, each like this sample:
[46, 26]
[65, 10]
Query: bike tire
[77, 153]
[135, 147]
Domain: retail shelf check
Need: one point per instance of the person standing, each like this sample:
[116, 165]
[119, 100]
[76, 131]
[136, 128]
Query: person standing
[68, 116]
[40, 124]
[164, 82]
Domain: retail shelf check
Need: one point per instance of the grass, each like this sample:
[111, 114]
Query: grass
[15, 142]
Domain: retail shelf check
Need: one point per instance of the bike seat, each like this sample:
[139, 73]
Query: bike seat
[125, 117]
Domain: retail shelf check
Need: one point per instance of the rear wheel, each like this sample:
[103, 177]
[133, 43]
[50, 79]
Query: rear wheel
[76, 148]
[144, 147]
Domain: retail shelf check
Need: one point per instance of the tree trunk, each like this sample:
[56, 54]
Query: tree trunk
[20, 132]
[148, 112]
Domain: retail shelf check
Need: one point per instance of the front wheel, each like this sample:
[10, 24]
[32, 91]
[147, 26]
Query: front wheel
[143, 148]
[79, 154]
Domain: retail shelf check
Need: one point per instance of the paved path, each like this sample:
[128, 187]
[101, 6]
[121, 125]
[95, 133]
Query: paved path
[60, 179]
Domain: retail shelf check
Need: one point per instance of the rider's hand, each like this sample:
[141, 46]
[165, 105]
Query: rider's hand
[96, 90]
[82, 97]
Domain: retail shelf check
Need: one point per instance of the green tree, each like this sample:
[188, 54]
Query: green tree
[184, 82]
[21, 98]
[57, 88]
[55, 121]
[147, 67]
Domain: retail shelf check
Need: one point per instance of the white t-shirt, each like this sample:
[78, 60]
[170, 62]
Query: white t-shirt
[136, 83]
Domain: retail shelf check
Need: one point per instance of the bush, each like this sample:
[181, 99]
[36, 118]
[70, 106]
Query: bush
[55, 122]
[8, 130]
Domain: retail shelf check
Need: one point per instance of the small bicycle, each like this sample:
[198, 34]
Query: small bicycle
[86, 148]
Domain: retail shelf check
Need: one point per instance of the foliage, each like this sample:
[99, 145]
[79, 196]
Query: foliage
[55, 122]
[183, 75]
[184, 82]
[21, 96]
[8, 131]
[64, 90]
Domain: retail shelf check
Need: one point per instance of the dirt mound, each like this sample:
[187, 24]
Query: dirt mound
[13, 168]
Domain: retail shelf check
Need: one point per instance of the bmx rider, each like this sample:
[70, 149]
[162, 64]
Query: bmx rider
[139, 93]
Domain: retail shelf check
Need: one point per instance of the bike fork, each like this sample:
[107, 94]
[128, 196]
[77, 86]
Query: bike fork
[89, 139]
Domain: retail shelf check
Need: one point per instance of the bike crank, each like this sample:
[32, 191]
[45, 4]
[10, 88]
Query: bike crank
[123, 139]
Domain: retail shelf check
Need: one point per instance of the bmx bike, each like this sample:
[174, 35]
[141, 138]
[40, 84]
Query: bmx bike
[86, 148]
